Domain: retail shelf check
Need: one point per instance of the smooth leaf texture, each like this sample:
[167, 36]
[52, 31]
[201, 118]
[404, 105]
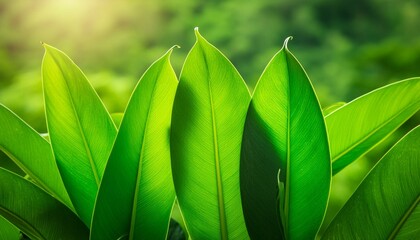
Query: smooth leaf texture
[207, 124]
[332, 108]
[35, 212]
[32, 153]
[363, 123]
[137, 194]
[80, 129]
[284, 130]
[386, 204]
[8, 230]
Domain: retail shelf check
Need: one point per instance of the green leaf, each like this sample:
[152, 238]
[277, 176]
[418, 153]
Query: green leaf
[81, 130]
[8, 230]
[284, 130]
[31, 153]
[207, 124]
[386, 204]
[363, 123]
[138, 176]
[35, 212]
[332, 108]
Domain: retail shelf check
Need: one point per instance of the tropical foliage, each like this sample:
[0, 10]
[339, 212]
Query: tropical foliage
[206, 153]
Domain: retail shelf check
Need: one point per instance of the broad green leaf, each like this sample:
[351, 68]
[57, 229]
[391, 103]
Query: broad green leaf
[386, 204]
[8, 230]
[81, 130]
[117, 118]
[363, 123]
[207, 124]
[284, 130]
[138, 177]
[332, 108]
[35, 212]
[31, 153]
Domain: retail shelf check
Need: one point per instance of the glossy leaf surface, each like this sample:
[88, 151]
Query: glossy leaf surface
[207, 124]
[80, 129]
[386, 204]
[363, 123]
[35, 212]
[284, 130]
[32, 153]
[137, 194]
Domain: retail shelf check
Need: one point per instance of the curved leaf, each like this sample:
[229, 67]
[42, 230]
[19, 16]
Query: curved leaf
[138, 176]
[332, 108]
[35, 212]
[80, 129]
[284, 130]
[363, 123]
[385, 205]
[207, 124]
[8, 230]
[31, 153]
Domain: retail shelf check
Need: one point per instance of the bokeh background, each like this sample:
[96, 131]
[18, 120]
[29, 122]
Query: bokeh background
[348, 48]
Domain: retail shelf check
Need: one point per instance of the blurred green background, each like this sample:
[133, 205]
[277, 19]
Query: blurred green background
[347, 47]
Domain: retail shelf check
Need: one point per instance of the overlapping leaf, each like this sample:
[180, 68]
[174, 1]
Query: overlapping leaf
[207, 124]
[35, 212]
[31, 153]
[80, 129]
[284, 130]
[8, 230]
[386, 204]
[364, 122]
[136, 194]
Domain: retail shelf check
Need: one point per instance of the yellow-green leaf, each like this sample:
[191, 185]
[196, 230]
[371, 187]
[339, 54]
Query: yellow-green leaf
[80, 129]
[137, 194]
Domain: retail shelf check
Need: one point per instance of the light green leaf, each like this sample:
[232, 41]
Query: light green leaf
[207, 124]
[332, 108]
[35, 212]
[385, 205]
[117, 118]
[363, 123]
[31, 153]
[140, 162]
[284, 130]
[81, 130]
[8, 230]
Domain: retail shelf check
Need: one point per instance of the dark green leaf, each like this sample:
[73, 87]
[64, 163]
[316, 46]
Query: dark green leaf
[35, 212]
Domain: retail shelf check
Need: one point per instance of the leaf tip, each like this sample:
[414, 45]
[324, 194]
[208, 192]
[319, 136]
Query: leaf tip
[197, 33]
[286, 41]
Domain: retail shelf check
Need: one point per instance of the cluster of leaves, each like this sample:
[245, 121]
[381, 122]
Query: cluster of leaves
[240, 167]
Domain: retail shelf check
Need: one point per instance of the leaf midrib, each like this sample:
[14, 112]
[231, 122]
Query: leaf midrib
[287, 184]
[220, 198]
[86, 145]
[404, 218]
[352, 146]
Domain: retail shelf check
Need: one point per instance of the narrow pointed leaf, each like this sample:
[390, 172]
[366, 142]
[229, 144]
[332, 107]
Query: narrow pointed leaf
[386, 204]
[332, 108]
[8, 230]
[31, 153]
[363, 123]
[284, 130]
[138, 176]
[80, 129]
[207, 124]
[35, 212]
